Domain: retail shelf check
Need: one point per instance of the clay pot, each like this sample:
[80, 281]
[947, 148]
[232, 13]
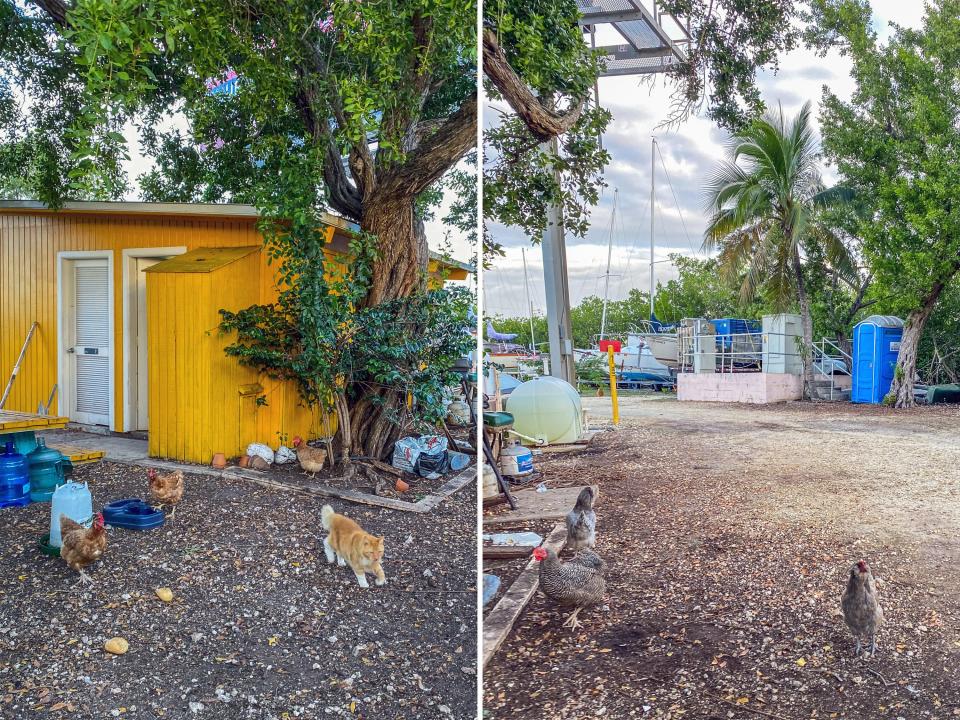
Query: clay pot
[402, 486]
[244, 461]
[219, 461]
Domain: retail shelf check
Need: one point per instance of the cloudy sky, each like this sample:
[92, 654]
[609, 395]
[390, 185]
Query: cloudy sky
[689, 152]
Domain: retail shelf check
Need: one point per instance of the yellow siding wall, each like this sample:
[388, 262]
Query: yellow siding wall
[29, 244]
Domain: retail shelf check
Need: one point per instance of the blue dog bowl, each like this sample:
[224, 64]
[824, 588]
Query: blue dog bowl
[132, 514]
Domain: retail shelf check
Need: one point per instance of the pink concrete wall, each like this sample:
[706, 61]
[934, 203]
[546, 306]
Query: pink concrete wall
[757, 388]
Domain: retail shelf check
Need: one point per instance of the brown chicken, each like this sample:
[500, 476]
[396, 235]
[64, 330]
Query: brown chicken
[578, 583]
[861, 609]
[82, 546]
[165, 489]
[311, 459]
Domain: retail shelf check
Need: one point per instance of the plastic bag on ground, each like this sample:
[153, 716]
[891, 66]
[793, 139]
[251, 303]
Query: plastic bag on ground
[434, 460]
[406, 451]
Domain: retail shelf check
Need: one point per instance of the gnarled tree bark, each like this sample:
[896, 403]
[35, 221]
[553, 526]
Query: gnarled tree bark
[906, 370]
[544, 122]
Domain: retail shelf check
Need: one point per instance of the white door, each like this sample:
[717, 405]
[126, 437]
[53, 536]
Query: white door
[141, 319]
[88, 343]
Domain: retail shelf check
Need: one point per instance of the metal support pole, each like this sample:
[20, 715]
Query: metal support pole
[556, 285]
[653, 175]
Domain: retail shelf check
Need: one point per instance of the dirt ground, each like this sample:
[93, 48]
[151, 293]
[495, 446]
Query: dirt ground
[260, 625]
[729, 531]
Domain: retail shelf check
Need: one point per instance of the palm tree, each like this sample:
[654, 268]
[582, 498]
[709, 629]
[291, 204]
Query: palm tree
[764, 201]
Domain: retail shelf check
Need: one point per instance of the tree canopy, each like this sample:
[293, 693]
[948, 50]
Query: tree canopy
[299, 108]
[897, 144]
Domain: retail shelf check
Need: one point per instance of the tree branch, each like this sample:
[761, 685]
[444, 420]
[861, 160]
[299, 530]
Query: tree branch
[56, 9]
[435, 155]
[543, 122]
[359, 159]
[343, 196]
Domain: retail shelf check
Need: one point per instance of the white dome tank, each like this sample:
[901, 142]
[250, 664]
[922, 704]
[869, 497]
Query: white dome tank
[546, 408]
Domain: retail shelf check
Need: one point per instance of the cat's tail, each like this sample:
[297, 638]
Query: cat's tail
[326, 516]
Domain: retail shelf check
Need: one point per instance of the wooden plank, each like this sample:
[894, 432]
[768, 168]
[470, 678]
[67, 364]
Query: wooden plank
[498, 624]
[465, 477]
[17, 421]
[533, 506]
[506, 552]
[326, 491]
[426, 504]
[79, 455]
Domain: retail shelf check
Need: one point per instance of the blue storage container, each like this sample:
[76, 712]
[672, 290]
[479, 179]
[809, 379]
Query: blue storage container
[876, 344]
[726, 328]
[14, 477]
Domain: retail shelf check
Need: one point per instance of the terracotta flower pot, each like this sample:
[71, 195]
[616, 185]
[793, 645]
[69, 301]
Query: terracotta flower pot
[219, 461]
[402, 486]
[244, 461]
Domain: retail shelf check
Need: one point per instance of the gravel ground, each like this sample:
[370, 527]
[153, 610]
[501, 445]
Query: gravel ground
[260, 625]
[729, 531]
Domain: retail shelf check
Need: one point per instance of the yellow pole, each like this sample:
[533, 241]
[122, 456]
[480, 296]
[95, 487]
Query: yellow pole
[613, 386]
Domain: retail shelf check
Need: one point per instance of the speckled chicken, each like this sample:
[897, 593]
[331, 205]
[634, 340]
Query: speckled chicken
[582, 522]
[578, 583]
[165, 489]
[861, 609]
[82, 546]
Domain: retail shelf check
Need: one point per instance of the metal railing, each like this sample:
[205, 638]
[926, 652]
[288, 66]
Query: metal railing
[734, 352]
[822, 359]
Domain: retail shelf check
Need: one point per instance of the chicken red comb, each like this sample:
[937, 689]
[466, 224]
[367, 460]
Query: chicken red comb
[539, 553]
[862, 566]
[297, 440]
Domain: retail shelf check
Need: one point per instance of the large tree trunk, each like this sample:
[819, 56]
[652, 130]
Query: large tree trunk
[373, 428]
[401, 268]
[399, 271]
[806, 321]
[906, 371]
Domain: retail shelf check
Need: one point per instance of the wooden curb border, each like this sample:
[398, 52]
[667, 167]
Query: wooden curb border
[498, 624]
[425, 504]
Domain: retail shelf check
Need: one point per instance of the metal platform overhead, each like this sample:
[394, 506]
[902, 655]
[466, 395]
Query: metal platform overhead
[648, 47]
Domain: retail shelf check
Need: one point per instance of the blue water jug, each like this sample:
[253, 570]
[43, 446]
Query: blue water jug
[72, 500]
[46, 471]
[14, 478]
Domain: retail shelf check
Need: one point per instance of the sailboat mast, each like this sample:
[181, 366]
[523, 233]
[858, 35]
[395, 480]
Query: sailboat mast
[606, 286]
[526, 284]
[653, 156]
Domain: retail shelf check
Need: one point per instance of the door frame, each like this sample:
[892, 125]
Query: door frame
[64, 283]
[128, 264]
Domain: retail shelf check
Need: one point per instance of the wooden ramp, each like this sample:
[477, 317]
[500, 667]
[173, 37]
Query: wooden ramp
[79, 455]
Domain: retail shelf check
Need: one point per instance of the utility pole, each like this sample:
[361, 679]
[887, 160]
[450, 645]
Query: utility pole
[557, 289]
[653, 175]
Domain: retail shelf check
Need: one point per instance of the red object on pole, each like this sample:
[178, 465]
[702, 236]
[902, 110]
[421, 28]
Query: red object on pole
[615, 344]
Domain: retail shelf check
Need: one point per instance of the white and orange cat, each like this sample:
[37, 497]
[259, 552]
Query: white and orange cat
[349, 544]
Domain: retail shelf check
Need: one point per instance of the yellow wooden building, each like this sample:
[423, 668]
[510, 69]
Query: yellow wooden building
[126, 297]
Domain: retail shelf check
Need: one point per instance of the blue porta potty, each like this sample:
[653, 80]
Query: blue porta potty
[876, 344]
